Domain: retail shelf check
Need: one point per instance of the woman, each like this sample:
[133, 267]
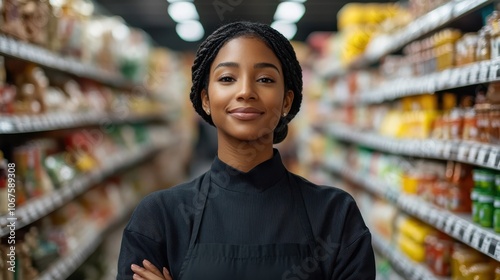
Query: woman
[247, 217]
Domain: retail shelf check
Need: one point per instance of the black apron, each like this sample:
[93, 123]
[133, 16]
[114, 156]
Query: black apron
[257, 262]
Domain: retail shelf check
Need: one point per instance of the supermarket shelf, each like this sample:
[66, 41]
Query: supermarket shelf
[458, 226]
[435, 19]
[66, 265]
[29, 52]
[479, 154]
[402, 264]
[473, 74]
[56, 121]
[40, 207]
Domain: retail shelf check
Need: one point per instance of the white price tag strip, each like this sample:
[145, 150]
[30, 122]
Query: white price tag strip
[450, 222]
[476, 238]
[472, 154]
[462, 152]
[497, 252]
[447, 150]
[492, 158]
[483, 73]
[485, 247]
[458, 229]
[481, 157]
[469, 230]
[493, 75]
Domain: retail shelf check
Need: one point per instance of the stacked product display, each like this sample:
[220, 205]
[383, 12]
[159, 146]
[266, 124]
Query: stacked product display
[86, 131]
[409, 117]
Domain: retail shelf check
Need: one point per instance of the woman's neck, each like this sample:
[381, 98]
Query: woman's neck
[244, 155]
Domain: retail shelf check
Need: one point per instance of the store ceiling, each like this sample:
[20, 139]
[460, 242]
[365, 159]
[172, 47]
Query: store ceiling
[152, 17]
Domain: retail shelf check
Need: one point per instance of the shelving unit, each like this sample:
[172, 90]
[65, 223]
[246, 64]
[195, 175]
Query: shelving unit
[40, 207]
[435, 19]
[57, 121]
[68, 264]
[458, 226]
[15, 128]
[404, 266]
[480, 154]
[32, 53]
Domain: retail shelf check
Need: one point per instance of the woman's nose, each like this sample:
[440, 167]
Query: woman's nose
[246, 89]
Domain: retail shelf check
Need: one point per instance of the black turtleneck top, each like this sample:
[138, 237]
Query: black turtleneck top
[252, 207]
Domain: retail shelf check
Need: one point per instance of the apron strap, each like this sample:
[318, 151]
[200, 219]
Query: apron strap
[298, 198]
[203, 197]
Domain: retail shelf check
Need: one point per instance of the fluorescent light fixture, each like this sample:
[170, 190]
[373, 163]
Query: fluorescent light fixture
[289, 11]
[173, 1]
[288, 29]
[190, 31]
[182, 11]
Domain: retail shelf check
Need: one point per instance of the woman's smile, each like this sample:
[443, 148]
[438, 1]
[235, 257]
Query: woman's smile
[245, 113]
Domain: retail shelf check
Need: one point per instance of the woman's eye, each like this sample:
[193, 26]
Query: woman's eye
[266, 80]
[226, 79]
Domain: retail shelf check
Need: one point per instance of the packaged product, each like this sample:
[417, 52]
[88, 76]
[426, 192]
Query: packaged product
[36, 19]
[71, 16]
[438, 251]
[12, 21]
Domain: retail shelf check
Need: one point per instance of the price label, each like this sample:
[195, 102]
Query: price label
[447, 150]
[481, 157]
[450, 221]
[464, 77]
[472, 153]
[473, 74]
[457, 229]
[440, 221]
[483, 73]
[469, 230]
[492, 158]
[476, 238]
[493, 75]
[485, 247]
[497, 252]
[454, 78]
[462, 152]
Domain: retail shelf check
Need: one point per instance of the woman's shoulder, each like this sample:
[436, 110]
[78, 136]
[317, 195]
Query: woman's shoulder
[170, 197]
[325, 192]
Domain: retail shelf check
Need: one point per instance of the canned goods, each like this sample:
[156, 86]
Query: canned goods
[485, 210]
[484, 181]
[496, 215]
[475, 206]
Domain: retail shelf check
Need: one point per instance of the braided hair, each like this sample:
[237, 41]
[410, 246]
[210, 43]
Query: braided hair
[281, 47]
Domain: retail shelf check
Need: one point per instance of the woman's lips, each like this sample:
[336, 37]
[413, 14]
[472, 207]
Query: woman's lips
[245, 113]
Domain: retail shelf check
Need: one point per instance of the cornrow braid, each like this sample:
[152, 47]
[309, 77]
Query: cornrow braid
[208, 50]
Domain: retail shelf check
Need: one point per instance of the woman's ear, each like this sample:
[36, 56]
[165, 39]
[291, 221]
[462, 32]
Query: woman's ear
[205, 102]
[288, 101]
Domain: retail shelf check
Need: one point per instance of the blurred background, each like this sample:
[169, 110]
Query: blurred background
[400, 109]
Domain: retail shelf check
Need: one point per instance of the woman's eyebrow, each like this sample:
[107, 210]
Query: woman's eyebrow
[266, 65]
[227, 64]
[257, 65]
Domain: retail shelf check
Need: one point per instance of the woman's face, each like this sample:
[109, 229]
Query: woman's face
[246, 93]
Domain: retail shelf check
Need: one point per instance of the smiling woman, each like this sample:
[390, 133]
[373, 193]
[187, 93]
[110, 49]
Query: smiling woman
[247, 217]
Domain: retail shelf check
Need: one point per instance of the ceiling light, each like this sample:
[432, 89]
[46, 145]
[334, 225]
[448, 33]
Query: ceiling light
[182, 11]
[288, 29]
[190, 30]
[173, 1]
[289, 11]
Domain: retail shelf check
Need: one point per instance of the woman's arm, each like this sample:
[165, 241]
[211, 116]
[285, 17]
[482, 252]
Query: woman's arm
[143, 239]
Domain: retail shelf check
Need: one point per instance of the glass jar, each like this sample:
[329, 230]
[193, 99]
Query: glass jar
[483, 122]
[494, 121]
[470, 131]
[483, 49]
